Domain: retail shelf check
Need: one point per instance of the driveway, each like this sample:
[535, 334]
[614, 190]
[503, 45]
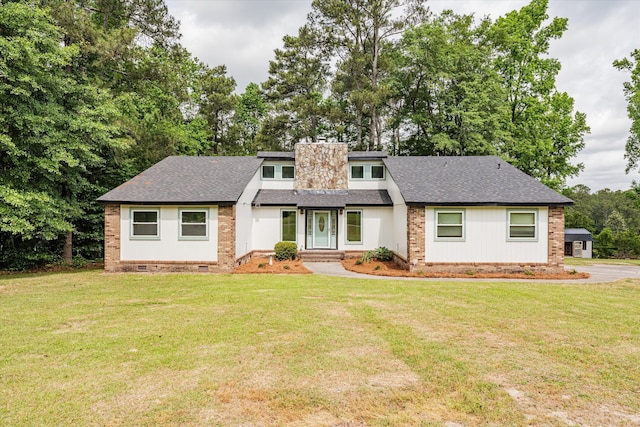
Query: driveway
[600, 273]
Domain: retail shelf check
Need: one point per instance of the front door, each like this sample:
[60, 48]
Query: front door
[321, 227]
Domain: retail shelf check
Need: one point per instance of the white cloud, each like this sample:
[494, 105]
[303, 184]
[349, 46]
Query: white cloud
[242, 34]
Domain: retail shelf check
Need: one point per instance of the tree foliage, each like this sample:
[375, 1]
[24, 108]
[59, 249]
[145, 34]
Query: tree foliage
[632, 95]
[95, 91]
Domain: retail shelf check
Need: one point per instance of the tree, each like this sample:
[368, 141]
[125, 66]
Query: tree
[297, 80]
[359, 32]
[632, 95]
[449, 93]
[53, 131]
[545, 134]
[217, 104]
[247, 121]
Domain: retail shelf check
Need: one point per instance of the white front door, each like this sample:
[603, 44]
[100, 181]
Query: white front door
[321, 227]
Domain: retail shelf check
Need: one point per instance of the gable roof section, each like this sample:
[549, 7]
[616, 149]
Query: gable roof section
[189, 180]
[472, 181]
[322, 198]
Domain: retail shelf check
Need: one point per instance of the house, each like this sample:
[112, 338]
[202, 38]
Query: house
[435, 213]
[578, 243]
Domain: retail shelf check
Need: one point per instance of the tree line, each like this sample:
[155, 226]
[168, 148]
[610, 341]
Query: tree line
[92, 92]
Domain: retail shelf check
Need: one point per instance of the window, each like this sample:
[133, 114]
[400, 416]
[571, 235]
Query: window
[144, 223]
[193, 224]
[278, 172]
[268, 172]
[367, 172]
[357, 172]
[377, 172]
[522, 225]
[354, 226]
[288, 172]
[449, 225]
[288, 226]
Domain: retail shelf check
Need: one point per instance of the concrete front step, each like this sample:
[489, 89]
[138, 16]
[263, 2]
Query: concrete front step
[321, 255]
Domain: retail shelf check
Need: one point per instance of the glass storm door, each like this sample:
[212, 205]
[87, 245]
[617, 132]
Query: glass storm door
[321, 227]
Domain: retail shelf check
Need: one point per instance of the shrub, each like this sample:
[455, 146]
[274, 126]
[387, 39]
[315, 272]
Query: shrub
[377, 267]
[286, 251]
[262, 265]
[379, 254]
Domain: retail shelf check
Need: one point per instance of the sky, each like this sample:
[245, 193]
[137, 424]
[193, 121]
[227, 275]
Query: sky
[242, 35]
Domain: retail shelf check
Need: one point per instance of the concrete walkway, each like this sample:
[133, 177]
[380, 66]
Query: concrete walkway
[600, 273]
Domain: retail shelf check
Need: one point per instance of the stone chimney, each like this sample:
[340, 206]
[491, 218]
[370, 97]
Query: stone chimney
[322, 166]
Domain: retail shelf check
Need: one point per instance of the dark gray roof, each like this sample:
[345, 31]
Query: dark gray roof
[188, 180]
[322, 198]
[367, 155]
[577, 234]
[276, 155]
[481, 180]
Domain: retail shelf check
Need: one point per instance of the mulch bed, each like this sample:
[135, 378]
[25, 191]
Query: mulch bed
[260, 265]
[391, 269]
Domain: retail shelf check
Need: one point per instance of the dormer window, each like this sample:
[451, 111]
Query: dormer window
[357, 172]
[278, 172]
[288, 172]
[268, 172]
[366, 172]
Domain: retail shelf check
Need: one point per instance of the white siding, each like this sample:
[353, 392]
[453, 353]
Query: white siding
[168, 247]
[399, 218]
[266, 227]
[243, 216]
[377, 229]
[486, 239]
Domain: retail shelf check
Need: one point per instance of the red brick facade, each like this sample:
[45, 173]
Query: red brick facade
[226, 237]
[111, 237]
[416, 251]
[556, 238]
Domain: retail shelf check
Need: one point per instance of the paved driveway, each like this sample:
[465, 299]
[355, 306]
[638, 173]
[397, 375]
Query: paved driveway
[608, 272]
[600, 273]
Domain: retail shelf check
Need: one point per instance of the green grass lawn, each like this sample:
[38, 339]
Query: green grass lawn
[94, 349]
[592, 261]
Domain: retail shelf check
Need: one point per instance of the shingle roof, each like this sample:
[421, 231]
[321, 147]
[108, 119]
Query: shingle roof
[481, 180]
[276, 155]
[577, 234]
[188, 180]
[367, 155]
[322, 198]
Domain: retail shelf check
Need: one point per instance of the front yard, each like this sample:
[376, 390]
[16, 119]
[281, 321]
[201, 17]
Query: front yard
[94, 349]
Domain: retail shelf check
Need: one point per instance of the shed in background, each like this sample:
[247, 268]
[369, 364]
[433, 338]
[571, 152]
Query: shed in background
[578, 243]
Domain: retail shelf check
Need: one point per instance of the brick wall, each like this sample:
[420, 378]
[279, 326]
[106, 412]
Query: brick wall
[226, 247]
[322, 166]
[111, 237]
[556, 237]
[226, 237]
[415, 236]
[416, 250]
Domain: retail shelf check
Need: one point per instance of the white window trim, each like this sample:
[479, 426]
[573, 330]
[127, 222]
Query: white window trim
[283, 178]
[295, 213]
[206, 224]
[346, 226]
[277, 172]
[535, 225]
[366, 172]
[463, 225]
[146, 237]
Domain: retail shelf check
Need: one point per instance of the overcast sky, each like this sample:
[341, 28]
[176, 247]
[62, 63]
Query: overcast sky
[242, 35]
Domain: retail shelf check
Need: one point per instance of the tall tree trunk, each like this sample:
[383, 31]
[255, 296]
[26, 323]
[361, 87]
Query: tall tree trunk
[67, 250]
